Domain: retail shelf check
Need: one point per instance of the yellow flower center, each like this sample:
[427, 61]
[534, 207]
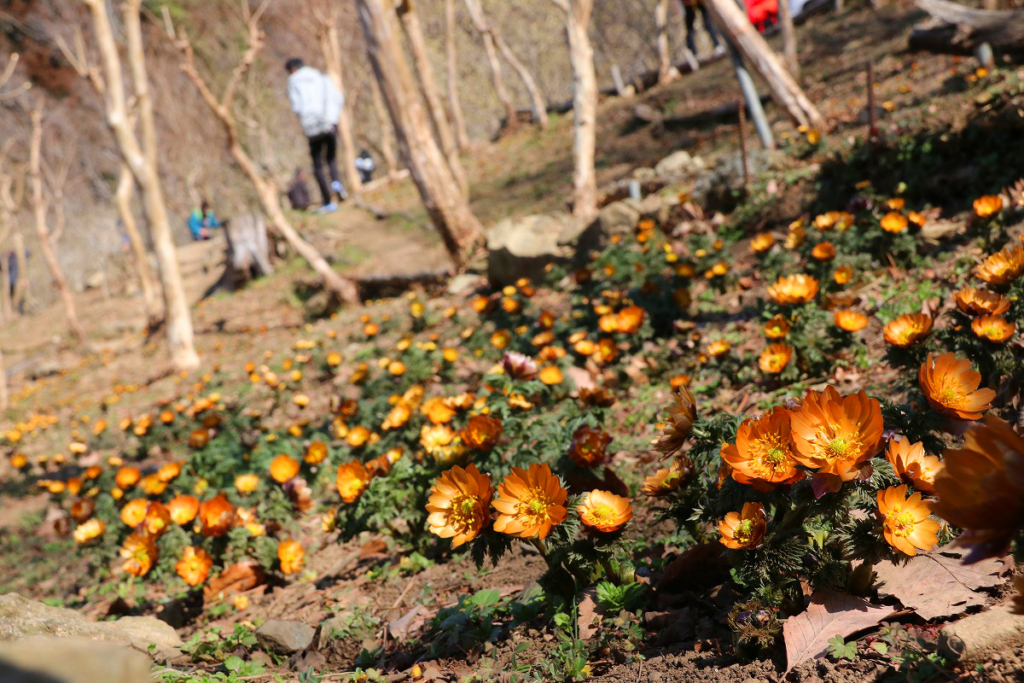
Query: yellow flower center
[951, 395]
[902, 523]
[744, 531]
[838, 447]
[464, 512]
[767, 454]
[602, 513]
[533, 508]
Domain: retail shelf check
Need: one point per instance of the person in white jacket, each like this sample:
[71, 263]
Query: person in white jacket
[317, 102]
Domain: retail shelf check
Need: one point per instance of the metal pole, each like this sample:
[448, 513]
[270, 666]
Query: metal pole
[743, 146]
[750, 96]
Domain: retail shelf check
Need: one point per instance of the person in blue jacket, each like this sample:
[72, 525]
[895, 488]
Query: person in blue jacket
[201, 220]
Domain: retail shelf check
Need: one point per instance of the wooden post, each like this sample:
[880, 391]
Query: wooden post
[872, 129]
[452, 68]
[431, 93]
[438, 188]
[148, 286]
[141, 158]
[537, 101]
[736, 28]
[788, 38]
[330, 47]
[387, 149]
[266, 191]
[581, 53]
[496, 76]
[666, 72]
[39, 209]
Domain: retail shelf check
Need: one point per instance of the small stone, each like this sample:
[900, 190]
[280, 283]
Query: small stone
[285, 637]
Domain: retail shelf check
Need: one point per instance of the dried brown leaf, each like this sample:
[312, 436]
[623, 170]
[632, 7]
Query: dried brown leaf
[938, 585]
[829, 614]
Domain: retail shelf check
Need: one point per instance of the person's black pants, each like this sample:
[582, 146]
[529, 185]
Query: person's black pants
[324, 146]
[690, 14]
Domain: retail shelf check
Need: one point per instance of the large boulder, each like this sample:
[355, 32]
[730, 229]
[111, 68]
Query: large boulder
[22, 618]
[47, 659]
[619, 218]
[522, 247]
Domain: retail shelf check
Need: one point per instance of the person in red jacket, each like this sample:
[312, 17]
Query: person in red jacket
[763, 13]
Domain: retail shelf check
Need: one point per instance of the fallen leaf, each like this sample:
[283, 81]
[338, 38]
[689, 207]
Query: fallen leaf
[408, 623]
[588, 615]
[938, 585]
[829, 615]
[374, 548]
[238, 577]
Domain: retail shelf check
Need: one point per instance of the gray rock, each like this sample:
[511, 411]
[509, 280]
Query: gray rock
[522, 247]
[645, 173]
[619, 217]
[285, 637]
[463, 282]
[21, 618]
[47, 659]
[717, 188]
[678, 164]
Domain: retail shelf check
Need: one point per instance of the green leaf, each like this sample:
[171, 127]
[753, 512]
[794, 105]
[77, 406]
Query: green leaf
[233, 663]
[840, 649]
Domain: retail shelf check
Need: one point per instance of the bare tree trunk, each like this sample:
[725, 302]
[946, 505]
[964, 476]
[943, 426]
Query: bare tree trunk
[428, 85]
[451, 62]
[496, 75]
[39, 208]
[386, 131]
[537, 101]
[150, 296]
[584, 105]
[142, 160]
[265, 190]
[438, 188]
[331, 48]
[21, 282]
[788, 38]
[5, 400]
[666, 72]
[736, 27]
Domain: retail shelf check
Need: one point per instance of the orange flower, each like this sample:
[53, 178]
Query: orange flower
[823, 251]
[531, 502]
[247, 483]
[917, 219]
[775, 358]
[907, 330]
[842, 275]
[216, 516]
[291, 555]
[951, 387]
[762, 242]
[152, 484]
[183, 509]
[718, 348]
[352, 481]
[283, 468]
[988, 205]
[794, 289]
[973, 301]
[139, 554]
[134, 512]
[442, 443]
[743, 530]
[666, 480]
[1002, 267]
[194, 565]
[481, 432]
[82, 509]
[89, 530]
[588, 446]
[849, 320]
[835, 434]
[680, 422]
[127, 477]
[894, 222]
[763, 454]
[604, 511]
[777, 327]
[981, 487]
[459, 504]
[630, 319]
[157, 519]
[994, 328]
[911, 464]
[551, 375]
[437, 410]
[316, 453]
[908, 527]
[896, 203]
